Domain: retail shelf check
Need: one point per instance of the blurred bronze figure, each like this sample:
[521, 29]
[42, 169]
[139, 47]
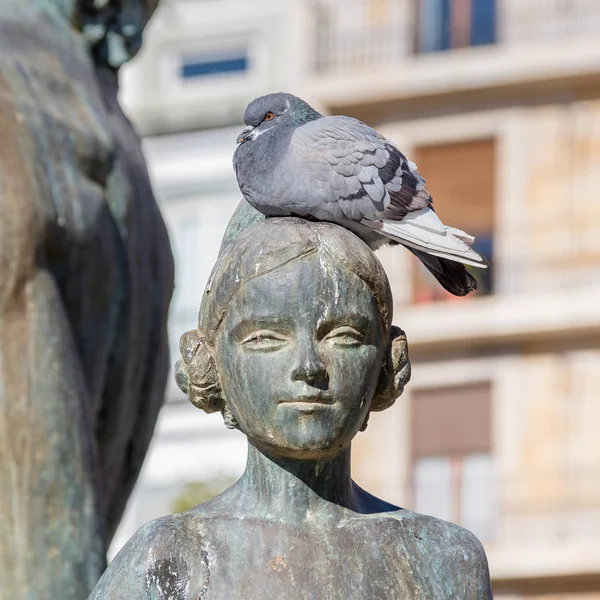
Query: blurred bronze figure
[86, 277]
[295, 347]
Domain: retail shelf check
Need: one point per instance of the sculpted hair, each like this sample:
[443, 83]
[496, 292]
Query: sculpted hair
[264, 248]
[276, 242]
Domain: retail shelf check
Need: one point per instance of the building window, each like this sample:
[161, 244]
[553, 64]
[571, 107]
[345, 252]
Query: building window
[196, 227]
[461, 180]
[193, 66]
[452, 461]
[187, 239]
[483, 22]
[447, 24]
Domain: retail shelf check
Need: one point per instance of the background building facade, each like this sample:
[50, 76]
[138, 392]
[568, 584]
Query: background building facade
[498, 102]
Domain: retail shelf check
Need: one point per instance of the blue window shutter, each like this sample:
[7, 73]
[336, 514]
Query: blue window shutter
[483, 22]
[445, 25]
[434, 25]
[192, 67]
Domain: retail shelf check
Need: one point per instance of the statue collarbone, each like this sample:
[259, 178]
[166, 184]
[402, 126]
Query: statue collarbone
[396, 554]
[295, 346]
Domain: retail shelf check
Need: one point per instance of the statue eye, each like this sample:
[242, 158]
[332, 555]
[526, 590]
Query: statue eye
[269, 116]
[264, 340]
[345, 336]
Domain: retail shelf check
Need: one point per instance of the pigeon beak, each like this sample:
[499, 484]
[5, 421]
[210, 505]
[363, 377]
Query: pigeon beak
[245, 134]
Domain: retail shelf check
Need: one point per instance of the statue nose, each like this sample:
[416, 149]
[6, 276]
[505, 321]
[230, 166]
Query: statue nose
[310, 369]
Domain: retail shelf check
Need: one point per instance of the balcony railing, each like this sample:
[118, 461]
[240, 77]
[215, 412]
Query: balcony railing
[356, 33]
[527, 21]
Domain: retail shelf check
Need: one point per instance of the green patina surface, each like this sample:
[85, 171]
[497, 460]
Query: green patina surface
[295, 347]
[86, 277]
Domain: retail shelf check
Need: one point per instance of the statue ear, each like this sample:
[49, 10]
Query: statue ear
[395, 371]
[196, 372]
[197, 376]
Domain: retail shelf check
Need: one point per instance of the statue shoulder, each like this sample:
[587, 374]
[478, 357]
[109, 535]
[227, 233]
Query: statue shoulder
[165, 556]
[21, 223]
[453, 557]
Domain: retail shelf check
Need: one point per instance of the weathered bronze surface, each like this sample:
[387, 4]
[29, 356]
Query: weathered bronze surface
[86, 276]
[295, 347]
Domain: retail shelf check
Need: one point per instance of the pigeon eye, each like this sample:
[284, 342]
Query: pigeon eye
[269, 116]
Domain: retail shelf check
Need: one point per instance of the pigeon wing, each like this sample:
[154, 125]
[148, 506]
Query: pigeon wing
[362, 174]
[363, 177]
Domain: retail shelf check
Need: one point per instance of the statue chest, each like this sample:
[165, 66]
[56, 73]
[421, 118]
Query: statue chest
[253, 559]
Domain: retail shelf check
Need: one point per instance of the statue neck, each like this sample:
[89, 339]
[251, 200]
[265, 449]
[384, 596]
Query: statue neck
[291, 490]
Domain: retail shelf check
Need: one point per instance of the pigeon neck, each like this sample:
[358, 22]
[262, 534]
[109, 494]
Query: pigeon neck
[303, 113]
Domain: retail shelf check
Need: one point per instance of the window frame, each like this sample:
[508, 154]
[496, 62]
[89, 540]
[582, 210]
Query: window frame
[458, 455]
[455, 28]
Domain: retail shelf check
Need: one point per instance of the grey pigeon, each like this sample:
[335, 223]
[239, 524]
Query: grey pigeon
[291, 160]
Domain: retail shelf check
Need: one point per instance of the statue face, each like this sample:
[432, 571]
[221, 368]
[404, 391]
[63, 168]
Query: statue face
[299, 354]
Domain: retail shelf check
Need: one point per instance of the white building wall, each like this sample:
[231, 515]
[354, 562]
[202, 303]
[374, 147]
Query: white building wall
[259, 32]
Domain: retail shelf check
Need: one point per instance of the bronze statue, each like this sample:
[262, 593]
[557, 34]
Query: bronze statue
[295, 346]
[86, 276]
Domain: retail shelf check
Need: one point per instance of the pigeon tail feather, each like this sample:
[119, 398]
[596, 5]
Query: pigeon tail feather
[422, 230]
[461, 235]
[453, 276]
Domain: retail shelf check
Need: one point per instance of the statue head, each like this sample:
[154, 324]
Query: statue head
[295, 344]
[113, 29]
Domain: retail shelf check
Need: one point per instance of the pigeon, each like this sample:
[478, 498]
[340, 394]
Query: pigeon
[292, 161]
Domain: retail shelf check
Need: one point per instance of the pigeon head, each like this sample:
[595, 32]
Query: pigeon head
[275, 110]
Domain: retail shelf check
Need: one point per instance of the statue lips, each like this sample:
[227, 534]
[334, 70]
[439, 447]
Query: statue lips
[309, 403]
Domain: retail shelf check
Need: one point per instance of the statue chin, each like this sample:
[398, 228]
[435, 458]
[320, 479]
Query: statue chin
[306, 437]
